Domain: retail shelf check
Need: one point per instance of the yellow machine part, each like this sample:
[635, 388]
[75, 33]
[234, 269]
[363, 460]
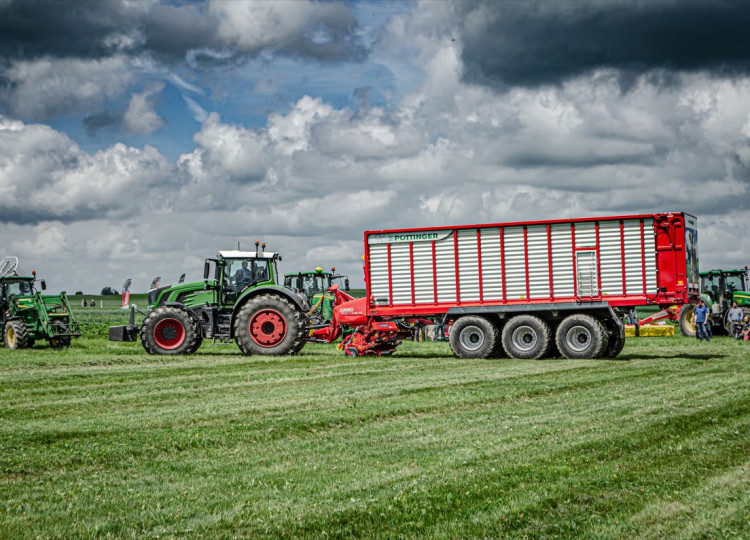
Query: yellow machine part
[650, 330]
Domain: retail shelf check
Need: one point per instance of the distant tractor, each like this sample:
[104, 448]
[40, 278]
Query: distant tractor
[719, 289]
[240, 300]
[314, 286]
[27, 315]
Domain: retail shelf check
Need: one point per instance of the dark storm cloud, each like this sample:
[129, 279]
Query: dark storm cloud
[534, 43]
[30, 29]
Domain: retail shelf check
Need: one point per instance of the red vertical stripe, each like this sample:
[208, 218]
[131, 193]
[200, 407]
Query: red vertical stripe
[455, 253]
[411, 266]
[434, 272]
[390, 277]
[575, 266]
[622, 253]
[643, 257]
[502, 261]
[479, 263]
[526, 259]
[598, 263]
[549, 259]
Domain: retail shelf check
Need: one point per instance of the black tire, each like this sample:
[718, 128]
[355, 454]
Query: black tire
[527, 337]
[15, 335]
[615, 345]
[270, 325]
[473, 337]
[170, 330]
[687, 320]
[581, 337]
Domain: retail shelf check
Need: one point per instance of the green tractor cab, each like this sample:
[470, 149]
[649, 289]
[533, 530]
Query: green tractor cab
[238, 299]
[719, 289]
[27, 315]
[314, 287]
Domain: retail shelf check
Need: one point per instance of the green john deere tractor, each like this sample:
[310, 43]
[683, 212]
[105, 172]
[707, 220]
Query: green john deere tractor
[240, 300]
[719, 289]
[314, 286]
[27, 315]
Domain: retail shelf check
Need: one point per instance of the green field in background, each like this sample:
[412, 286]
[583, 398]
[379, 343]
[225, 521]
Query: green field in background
[103, 440]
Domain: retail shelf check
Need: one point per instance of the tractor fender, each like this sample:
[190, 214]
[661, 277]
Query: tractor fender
[278, 291]
[183, 307]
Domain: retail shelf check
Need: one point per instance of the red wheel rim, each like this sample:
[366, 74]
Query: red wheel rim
[267, 328]
[169, 333]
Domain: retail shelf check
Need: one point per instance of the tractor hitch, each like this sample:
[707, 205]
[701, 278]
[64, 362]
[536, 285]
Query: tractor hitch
[126, 332]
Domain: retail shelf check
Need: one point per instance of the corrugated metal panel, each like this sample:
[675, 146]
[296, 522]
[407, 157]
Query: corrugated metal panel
[400, 273]
[633, 259]
[650, 249]
[424, 288]
[610, 251]
[468, 265]
[379, 271]
[492, 277]
[536, 239]
[562, 261]
[585, 235]
[515, 264]
[445, 258]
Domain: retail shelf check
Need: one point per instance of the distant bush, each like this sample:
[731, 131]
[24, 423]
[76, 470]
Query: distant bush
[79, 293]
[109, 291]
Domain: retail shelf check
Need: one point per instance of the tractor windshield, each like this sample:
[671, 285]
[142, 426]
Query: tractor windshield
[341, 281]
[313, 284]
[19, 288]
[734, 283]
[242, 272]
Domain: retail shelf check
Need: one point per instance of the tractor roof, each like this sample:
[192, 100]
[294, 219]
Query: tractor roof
[717, 272]
[247, 255]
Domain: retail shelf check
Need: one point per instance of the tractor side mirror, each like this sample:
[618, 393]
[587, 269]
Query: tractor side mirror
[43, 284]
[217, 273]
[346, 284]
[206, 269]
[288, 282]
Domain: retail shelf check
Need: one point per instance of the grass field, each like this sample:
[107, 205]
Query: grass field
[102, 440]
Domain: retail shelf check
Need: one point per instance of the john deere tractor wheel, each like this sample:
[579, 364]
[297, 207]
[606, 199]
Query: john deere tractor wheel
[58, 342]
[269, 325]
[687, 320]
[16, 335]
[170, 330]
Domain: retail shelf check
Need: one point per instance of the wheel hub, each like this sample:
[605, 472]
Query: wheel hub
[471, 338]
[169, 333]
[267, 328]
[524, 338]
[578, 338]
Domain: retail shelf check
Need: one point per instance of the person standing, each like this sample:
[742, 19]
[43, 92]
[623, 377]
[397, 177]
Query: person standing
[735, 320]
[701, 322]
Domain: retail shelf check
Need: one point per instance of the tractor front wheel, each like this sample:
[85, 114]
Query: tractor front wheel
[16, 336]
[269, 325]
[687, 320]
[170, 330]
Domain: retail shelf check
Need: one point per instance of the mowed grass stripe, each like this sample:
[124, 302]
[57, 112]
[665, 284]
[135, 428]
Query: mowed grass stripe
[418, 446]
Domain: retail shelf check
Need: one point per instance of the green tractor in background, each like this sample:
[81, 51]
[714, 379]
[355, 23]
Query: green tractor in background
[719, 289]
[240, 300]
[314, 287]
[27, 315]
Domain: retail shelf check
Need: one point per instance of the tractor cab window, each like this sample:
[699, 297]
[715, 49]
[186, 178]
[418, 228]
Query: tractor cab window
[711, 286]
[341, 281]
[243, 272]
[312, 285]
[19, 288]
[734, 283]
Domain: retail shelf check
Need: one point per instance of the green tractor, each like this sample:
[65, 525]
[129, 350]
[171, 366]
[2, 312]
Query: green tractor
[719, 289]
[28, 315]
[239, 300]
[314, 286]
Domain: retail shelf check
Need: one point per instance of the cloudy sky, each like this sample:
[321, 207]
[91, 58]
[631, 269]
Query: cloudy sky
[139, 137]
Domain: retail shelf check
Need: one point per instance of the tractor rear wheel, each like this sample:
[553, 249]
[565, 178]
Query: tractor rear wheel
[687, 320]
[527, 337]
[474, 337]
[16, 336]
[170, 330]
[269, 324]
[581, 336]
